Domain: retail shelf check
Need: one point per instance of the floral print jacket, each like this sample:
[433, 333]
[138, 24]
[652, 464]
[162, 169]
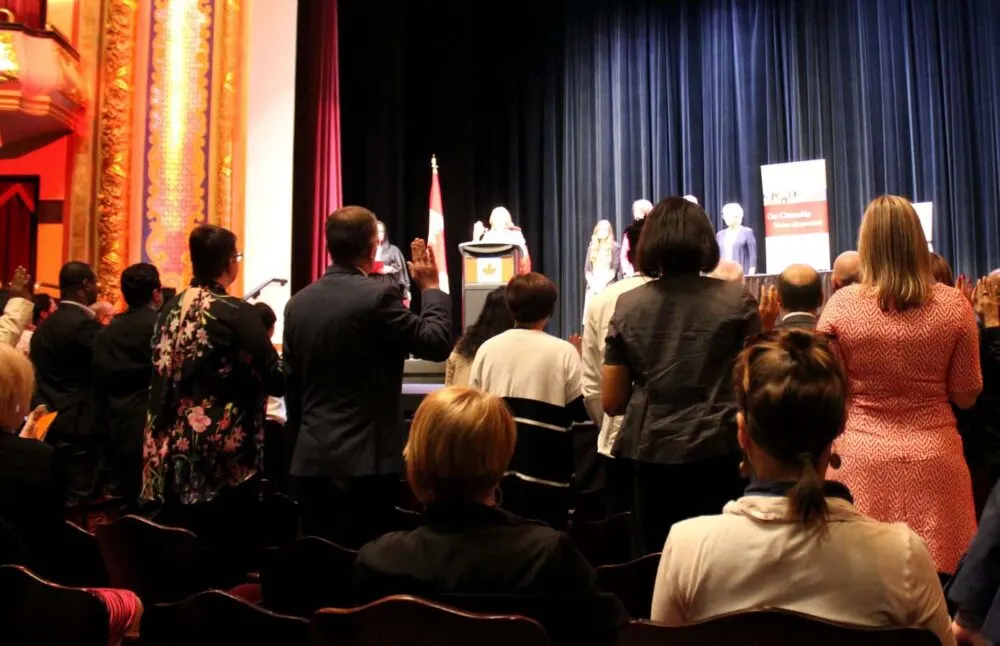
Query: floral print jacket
[213, 368]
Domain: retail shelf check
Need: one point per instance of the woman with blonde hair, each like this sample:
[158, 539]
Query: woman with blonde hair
[460, 444]
[911, 348]
[603, 262]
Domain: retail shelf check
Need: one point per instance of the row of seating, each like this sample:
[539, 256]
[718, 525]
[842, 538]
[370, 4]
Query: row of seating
[39, 612]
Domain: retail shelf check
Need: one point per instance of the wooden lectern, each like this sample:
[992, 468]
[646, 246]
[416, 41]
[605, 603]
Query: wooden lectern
[485, 266]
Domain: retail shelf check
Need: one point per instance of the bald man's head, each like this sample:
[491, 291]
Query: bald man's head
[800, 289]
[846, 270]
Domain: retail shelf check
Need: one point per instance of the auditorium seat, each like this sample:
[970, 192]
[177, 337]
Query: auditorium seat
[771, 628]
[78, 560]
[306, 575]
[590, 506]
[604, 542]
[213, 617]
[632, 583]
[36, 611]
[156, 562]
[408, 621]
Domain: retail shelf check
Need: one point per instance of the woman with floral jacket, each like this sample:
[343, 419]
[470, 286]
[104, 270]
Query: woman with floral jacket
[214, 367]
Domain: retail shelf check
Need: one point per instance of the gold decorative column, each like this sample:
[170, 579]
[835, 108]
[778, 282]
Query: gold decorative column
[116, 118]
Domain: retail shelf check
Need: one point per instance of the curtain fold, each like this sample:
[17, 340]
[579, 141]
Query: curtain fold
[18, 228]
[27, 12]
[317, 183]
[571, 115]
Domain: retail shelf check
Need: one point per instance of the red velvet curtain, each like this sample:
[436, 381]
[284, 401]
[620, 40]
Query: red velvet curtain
[27, 12]
[17, 227]
[316, 184]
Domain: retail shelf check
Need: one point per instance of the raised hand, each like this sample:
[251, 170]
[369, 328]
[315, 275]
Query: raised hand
[577, 342]
[19, 283]
[423, 267]
[769, 307]
[964, 286]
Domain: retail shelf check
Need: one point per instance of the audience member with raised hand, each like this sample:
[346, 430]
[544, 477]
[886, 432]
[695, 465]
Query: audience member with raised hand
[44, 305]
[16, 310]
[795, 541]
[62, 350]
[984, 422]
[123, 369]
[669, 351]
[345, 340]
[214, 366]
[461, 442]
[911, 347]
[493, 319]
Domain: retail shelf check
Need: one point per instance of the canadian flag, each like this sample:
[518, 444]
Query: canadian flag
[435, 228]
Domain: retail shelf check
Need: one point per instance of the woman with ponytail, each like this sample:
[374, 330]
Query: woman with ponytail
[794, 540]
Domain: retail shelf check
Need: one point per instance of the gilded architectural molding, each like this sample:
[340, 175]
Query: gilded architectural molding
[118, 78]
[225, 128]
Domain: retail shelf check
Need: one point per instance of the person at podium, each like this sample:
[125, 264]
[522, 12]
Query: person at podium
[737, 242]
[503, 231]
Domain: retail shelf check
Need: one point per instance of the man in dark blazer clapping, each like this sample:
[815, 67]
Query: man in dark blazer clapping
[62, 350]
[346, 337]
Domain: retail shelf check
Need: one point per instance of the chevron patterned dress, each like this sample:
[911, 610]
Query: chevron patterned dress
[901, 452]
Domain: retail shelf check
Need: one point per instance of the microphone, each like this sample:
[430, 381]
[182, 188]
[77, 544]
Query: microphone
[254, 293]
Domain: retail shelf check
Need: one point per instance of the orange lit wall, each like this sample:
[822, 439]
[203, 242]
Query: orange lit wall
[49, 163]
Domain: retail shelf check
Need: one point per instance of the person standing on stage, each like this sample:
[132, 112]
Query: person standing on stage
[603, 263]
[393, 263]
[911, 347]
[503, 231]
[345, 341]
[737, 242]
[640, 208]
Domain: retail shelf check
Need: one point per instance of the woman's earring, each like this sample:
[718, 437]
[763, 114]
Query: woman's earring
[746, 469]
[834, 461]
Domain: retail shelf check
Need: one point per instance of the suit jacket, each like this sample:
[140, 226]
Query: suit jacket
[799, 321]
[62, 349]
[975, 588]
[123, 368]
[744, 249]
[346, 337]
[31, 500]
[465, 550]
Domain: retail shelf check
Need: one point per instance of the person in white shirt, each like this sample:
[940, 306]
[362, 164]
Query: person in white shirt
[595, 330]
[526, 362]
[794, 541]
[15, 313]
[640, 209]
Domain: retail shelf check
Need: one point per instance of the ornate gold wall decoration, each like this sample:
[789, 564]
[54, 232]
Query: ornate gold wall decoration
[115, 145]
[176, 168]
[225, 129]
[10, 69]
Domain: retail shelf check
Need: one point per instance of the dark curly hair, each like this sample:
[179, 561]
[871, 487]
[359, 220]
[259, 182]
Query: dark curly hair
[493, 319]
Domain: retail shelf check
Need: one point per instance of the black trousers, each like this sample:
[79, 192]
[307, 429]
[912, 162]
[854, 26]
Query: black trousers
[619, 478]
[669, 493]
[347, 511]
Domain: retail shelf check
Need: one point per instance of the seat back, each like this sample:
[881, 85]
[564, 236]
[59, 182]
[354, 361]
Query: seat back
[632, 583]
[605, 542]
[213, 617]
[36, 611]
[78, 560]
[771, 628]
[156, 562]
[408, 621]
[307, 575]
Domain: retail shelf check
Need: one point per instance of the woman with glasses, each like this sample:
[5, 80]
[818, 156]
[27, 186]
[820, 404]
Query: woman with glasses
[795, 541]
[213, 368]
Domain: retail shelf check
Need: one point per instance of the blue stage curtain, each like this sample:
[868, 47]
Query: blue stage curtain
[576, 111]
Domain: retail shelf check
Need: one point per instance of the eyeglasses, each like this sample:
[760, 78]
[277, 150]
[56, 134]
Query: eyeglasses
[238, 256]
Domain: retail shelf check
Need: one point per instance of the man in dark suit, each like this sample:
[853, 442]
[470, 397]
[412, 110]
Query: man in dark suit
[800, 295]
[345, 339]
[62, 351]
[123, 367]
